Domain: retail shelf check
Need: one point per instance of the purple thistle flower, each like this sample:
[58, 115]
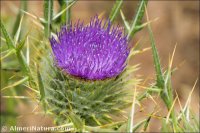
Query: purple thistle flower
[95, 51]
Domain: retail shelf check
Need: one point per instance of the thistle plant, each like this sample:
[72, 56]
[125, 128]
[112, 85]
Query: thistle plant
[79, 73]
[86, 70]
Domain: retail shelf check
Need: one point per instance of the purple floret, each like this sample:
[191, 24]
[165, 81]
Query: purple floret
[95, 51]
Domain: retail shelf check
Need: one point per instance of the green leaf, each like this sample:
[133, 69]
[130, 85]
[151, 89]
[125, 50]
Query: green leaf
[19, 54]
[157, 65]
[16, 37]
[48, 14]
[40, 85]
[41, 88]
[76, 121]
[9, 40]
[138, 18]
[23, 6]
[115, 10]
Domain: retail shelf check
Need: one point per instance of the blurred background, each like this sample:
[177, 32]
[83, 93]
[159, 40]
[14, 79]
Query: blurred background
[178, 23]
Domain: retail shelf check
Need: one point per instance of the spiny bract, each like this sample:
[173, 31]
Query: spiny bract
[95, 51]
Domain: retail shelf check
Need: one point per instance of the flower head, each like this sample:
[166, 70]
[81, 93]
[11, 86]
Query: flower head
[95, 51]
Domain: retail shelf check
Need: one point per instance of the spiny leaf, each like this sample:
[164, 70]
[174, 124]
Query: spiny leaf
[11, 45]
[16, 23]
[41, 88]
[115, 10]
[138, 18]
[76, 121]
[40, 85]
[23, 6]
[9, 40]
[48, 14]
[160, 79]
[166, 93]
[16, 37]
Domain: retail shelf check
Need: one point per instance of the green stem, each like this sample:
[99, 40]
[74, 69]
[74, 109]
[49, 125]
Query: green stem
[169, 103]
